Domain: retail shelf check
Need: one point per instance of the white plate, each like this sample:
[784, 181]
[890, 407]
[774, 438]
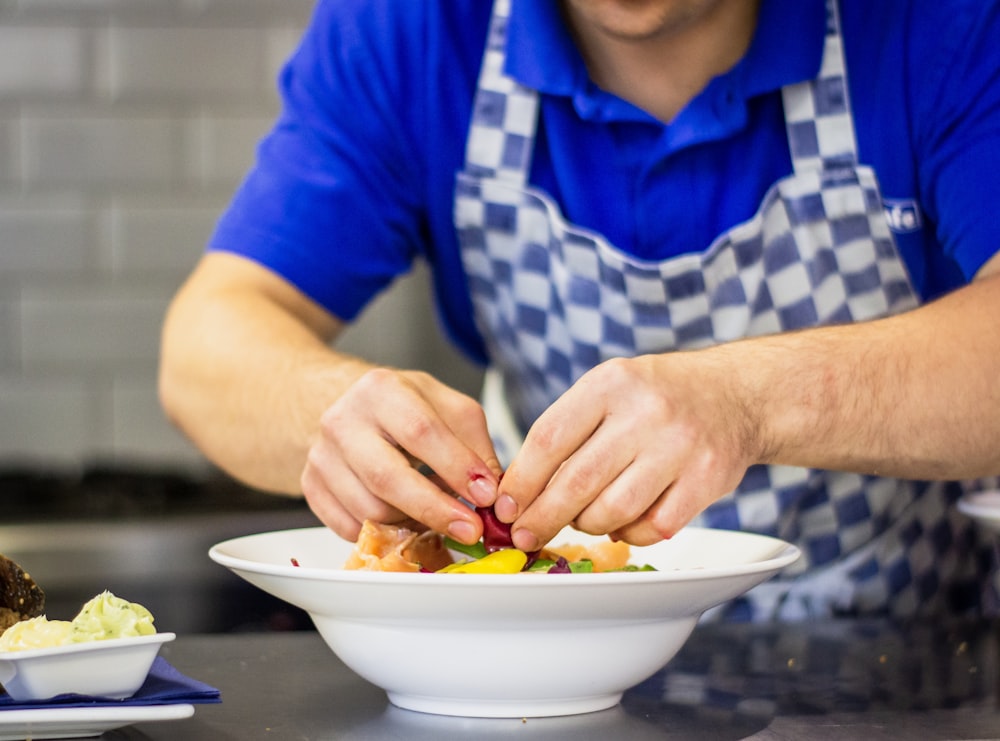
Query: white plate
[17, 725]
[507, 645]
[983, 507]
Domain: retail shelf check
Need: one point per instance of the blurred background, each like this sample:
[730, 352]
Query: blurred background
[125, 125]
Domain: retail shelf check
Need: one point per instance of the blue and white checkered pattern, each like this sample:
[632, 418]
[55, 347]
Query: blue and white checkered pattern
[503, 130]
[553, 300]
[818, 113]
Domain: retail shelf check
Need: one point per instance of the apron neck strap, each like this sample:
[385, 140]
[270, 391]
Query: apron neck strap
[501, 136]
[818, 112]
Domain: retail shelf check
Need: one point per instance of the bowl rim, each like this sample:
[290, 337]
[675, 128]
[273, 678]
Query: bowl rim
[984, 504]
[786, 554]
[87, 646]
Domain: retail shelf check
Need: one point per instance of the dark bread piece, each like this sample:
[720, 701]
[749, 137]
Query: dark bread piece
[20, 597]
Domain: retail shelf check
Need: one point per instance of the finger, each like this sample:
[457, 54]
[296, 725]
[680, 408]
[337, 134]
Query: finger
[325, 506]
[705, 481]
[339, 499]
[421, 416]
[467, 421]
[424, 501]
[576, 485]
[387, 483]
[325, 501]
[555, 436]
[337, 496]
[659, 522]
[624, 500]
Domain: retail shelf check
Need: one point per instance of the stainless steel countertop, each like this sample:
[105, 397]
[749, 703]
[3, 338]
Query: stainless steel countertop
[822, 681]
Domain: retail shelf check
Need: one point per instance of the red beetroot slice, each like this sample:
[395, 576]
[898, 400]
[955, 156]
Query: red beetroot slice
[496, 534]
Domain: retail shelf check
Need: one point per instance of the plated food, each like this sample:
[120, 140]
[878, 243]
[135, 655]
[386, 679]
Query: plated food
[104, 617]
[382, 547]
[105, 651]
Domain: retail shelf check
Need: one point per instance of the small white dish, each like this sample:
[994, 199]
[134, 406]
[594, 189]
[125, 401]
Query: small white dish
[114, 668]
[56, 722]
[507, 645]
[983, 507]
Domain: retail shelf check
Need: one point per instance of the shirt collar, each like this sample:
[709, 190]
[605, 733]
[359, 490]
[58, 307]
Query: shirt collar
[787, 48]
[540, 51]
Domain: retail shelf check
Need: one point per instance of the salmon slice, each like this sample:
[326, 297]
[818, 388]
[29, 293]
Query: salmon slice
[606, 555]
[382, 547]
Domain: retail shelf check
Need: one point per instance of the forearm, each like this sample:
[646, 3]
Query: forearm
[915, 395]
[256, 425]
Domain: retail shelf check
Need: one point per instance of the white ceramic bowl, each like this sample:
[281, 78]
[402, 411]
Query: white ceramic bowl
[114, 668]
[506, 645]
[983, 507]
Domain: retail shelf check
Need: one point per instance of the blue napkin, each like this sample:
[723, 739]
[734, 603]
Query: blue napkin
[164, 686]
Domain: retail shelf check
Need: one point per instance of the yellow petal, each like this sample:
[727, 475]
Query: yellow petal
[506, 561]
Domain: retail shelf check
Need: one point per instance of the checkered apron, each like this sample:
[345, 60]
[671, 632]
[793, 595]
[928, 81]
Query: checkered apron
[553, 300]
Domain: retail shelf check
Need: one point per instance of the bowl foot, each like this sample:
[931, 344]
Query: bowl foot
[491, 708]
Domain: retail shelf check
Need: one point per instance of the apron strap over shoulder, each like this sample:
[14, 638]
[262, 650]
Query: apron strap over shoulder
[501, 136]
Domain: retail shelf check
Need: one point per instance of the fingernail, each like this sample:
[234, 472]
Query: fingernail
[524, 541]
[462, 531]
[482, 491]
[506, 508]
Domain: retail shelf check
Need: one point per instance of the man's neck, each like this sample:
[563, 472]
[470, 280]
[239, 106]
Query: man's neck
[661, 55]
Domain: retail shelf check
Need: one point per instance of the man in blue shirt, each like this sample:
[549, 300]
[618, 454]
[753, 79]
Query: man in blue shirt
[724, 260]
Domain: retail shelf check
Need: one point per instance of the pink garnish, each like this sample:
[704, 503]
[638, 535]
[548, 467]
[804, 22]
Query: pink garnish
[561, 566]
[496, 534]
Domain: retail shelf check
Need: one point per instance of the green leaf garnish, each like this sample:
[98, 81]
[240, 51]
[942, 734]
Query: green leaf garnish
[477, 550]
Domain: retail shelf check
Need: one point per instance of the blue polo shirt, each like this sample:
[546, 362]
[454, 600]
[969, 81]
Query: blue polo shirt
[356, 179]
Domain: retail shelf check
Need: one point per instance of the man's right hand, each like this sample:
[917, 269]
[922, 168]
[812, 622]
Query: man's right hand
[363, 463]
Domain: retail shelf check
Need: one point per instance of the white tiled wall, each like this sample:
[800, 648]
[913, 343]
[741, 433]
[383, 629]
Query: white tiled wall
[124, 127]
